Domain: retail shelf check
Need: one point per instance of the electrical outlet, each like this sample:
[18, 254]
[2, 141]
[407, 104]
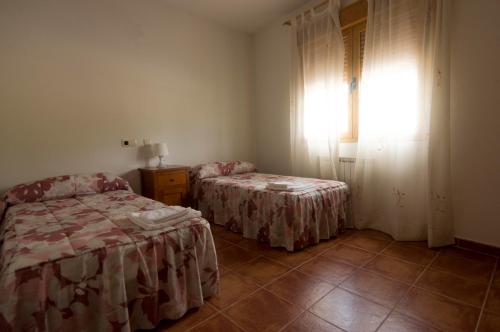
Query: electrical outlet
[129, 143]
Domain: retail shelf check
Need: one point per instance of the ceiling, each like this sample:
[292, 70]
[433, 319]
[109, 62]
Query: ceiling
[243, 15]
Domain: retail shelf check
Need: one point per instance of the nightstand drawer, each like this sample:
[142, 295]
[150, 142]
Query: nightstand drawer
[169, 185]
[172, 198]
[173, 195]
[171, 179]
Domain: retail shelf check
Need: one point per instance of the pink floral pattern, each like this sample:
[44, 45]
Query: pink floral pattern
[64, 187]
[293, 220]
[78, 263]
[222, 168]
[3, 207]
[99, 183]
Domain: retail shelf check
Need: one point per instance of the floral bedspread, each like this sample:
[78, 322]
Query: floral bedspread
[293, 220]
[77, 264]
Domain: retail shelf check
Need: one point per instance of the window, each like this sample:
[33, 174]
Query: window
[353, 22]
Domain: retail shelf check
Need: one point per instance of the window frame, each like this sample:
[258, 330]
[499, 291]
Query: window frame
[353, 21]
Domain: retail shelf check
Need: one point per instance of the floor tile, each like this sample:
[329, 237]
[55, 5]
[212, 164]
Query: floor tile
[366, 242]
[478, 270]
[216, 229]
[346, 233]
[223, 269]
[439, 311]
[217, 324]
[350, 312]
[229, 236]
[493, 302]
[417, 244]
[292, 259]
[220, 243]
[262, 270]
[396, 269]
[234, 256]
[489, 323]
[374, 234]
[262, 311]
[322, 246]
[348, 254]
[411, 254]
[464, 253]
[397, 322]
[376, 288]
[254, 245]
[329, 270]
[363, 297]
[232, 288]
[466, 290]
[299, 289]
[188, 321]
[496, 279]
[308, 322]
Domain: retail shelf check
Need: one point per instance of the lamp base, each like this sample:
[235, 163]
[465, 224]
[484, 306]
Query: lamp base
[161, 164]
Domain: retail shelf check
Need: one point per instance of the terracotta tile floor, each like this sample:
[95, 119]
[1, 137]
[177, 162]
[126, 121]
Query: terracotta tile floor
[361, 281]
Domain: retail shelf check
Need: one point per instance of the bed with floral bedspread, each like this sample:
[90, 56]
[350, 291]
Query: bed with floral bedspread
[71, 261]
[232, 194]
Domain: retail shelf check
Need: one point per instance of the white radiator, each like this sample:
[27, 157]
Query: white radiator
[346, 170]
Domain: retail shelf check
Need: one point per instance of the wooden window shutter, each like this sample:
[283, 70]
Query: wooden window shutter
[362, 36]
[353, 22]
[348, 55]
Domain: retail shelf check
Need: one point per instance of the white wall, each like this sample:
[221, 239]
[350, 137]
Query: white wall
[475, 107]
[78, 76]
[475, 100]
[272, 94]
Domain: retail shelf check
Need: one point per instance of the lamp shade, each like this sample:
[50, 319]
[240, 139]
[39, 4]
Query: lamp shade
[160, 149]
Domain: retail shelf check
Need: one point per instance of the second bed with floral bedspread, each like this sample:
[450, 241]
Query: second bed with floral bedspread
[233, 195]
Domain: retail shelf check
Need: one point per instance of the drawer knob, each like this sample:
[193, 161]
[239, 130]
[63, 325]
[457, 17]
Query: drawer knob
[171, 180]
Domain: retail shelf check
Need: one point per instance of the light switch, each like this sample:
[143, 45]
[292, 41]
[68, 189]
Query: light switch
[129, 143]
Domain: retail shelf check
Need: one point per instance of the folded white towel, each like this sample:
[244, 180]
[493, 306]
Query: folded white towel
[291, 187]
[149, 224]
[159, 215]
[280, 185]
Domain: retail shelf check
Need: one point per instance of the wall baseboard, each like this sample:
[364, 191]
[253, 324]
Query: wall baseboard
[479, 247]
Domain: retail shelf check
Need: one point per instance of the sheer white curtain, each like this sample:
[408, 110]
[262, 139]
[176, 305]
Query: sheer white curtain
[318, 98]
[402, 174]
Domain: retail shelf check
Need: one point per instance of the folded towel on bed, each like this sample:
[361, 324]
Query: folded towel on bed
[164, 217]
[164, 214]
[279, 185]
[289, 186]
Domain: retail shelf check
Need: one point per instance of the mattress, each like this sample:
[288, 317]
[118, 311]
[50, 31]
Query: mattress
[78, 264]
[293, 220]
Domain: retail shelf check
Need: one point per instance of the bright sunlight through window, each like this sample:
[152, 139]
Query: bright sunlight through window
[321, 120]
[389, 102]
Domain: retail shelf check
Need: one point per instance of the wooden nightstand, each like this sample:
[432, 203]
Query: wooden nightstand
[169, 185]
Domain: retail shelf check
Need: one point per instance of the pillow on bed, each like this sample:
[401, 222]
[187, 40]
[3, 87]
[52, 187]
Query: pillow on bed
[223, 168]
[64, 187]
[99, 183]
[113, 182]
[42, 190]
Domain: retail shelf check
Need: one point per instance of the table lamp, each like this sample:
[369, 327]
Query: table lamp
[160, 150]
